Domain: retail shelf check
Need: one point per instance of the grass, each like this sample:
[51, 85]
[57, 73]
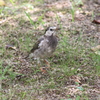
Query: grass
[72, 58]
[39, 20]
[74, 7]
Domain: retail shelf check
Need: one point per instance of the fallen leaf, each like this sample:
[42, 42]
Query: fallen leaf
[97, 1]
[76, 79]
[95, 48]
[2, 3]
[43, 70]
[11, 47]
[50, 14]
[97, 52]
[96, 20]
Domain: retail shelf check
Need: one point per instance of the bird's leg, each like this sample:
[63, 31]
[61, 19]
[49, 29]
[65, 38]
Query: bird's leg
[41, 68]
[47, 62]
[44, 69]
[38, 62]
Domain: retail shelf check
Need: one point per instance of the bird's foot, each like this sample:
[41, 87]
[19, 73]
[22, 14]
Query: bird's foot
[44, 69]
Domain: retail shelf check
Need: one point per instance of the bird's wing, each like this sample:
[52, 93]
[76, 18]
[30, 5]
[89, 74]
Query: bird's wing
[36, 45]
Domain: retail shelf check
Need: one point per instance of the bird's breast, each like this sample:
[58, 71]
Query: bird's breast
[53, 41]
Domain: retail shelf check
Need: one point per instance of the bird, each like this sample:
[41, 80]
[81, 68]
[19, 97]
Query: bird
[45, 46]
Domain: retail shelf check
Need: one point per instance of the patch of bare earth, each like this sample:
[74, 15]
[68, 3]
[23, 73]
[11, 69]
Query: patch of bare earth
[29, 82]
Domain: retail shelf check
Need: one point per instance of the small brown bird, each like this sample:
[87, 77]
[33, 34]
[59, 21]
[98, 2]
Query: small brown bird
[45, 45]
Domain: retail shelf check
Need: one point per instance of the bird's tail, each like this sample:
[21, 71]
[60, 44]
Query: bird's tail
[27, 56]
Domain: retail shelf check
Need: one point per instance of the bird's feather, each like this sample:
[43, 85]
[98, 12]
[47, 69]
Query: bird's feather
[36, 45]
[45, 46]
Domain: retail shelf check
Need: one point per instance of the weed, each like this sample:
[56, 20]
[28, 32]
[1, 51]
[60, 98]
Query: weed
[39, 20]
[12, 1]
[72, 56]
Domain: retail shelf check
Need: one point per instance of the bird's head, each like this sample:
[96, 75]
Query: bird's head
[51, 31]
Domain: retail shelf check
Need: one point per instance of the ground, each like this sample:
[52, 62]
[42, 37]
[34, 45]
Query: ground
[74, 72]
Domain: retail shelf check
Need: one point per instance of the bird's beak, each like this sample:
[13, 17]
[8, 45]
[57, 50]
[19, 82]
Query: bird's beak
[58, 28]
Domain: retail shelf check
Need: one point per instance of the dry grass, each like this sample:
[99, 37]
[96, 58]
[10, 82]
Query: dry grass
[74, 72]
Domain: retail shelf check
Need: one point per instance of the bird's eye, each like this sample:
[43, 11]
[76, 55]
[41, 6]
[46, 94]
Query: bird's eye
[51, 29]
